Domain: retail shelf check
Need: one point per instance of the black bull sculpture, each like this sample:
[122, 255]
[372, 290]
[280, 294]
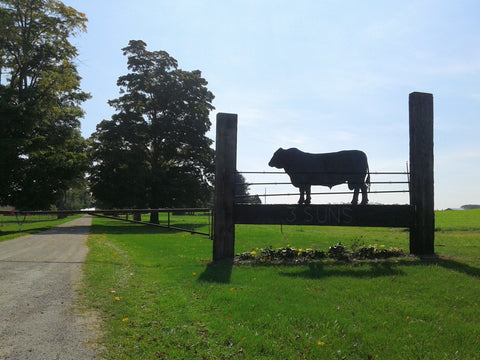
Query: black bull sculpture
[329, 169]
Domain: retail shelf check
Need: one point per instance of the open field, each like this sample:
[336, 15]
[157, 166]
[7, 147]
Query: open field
[160, 297]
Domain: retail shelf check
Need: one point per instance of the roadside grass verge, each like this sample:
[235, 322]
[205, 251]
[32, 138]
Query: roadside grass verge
[161, 298]
[12, 227]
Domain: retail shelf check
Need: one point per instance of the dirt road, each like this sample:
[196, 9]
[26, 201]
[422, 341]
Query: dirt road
[38, 275]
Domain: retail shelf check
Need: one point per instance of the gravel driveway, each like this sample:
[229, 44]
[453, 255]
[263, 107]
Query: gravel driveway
[38, 275]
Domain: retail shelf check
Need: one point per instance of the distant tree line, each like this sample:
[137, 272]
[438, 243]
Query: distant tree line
[470, 207]
[153, 152]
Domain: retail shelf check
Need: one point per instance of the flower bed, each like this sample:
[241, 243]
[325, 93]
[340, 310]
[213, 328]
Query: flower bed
[337, 252]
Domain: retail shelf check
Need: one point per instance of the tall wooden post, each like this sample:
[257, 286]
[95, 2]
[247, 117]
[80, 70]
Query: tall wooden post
[226, 165]
[422, 233]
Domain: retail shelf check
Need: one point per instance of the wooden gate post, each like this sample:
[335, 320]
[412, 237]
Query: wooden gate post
[226, 165]
[421, 173]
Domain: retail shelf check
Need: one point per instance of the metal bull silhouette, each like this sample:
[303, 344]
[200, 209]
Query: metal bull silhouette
[329, 169]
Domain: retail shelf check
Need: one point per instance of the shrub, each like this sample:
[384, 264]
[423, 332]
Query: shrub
[339, 252]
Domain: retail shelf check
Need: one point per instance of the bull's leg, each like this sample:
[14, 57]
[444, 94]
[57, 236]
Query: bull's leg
[355, 195]
[364, 195]
[302, 192]
[309, 198]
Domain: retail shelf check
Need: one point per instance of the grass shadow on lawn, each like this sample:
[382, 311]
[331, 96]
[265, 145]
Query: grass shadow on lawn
[372, 269]
[220, 272]
[217, 272]
[27, 232]
[458, 267]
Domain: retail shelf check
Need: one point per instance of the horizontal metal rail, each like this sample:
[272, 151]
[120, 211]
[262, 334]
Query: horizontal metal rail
[322, 172]
[110, 211]
[289, 183]
[151, 224]
[325, 193]
[110, 214]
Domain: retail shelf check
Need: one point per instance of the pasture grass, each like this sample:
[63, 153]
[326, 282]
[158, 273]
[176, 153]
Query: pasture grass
[12, 226]
[161, 298]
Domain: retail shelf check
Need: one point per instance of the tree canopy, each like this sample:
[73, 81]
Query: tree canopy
[154, 152]
[41, 148]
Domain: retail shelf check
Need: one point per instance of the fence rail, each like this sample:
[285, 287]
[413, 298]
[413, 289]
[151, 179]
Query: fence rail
[323, 172]
[324, 193]
[276, 183]
[21, 216]
[101, 211]
[289, 183]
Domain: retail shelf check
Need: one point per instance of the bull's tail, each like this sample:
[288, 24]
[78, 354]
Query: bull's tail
[367, 180]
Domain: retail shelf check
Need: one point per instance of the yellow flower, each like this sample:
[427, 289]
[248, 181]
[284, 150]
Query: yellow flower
[194, 273]
[117, 298]
[125, 319]
[320, 343]
[253, 252]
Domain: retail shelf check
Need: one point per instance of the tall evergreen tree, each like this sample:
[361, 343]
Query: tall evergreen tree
[41, 148]
[157, 140]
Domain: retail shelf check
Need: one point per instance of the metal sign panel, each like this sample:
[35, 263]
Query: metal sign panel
[327, 215]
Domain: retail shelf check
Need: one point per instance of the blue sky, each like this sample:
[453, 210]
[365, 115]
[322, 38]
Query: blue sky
[318, 75]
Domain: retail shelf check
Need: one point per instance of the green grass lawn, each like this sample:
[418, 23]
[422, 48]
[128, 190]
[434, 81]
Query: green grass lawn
[12, 226]
[161, 298]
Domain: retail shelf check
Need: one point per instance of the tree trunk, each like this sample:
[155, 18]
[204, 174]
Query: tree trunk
[154, 217]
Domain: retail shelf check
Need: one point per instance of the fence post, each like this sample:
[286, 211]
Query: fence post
[226, 164]
[422, 231]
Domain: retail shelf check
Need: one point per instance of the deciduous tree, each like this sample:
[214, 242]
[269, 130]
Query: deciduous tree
[41, 148]
[157, 139]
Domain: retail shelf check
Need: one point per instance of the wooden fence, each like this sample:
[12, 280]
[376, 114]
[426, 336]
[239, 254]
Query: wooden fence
[22, 215]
